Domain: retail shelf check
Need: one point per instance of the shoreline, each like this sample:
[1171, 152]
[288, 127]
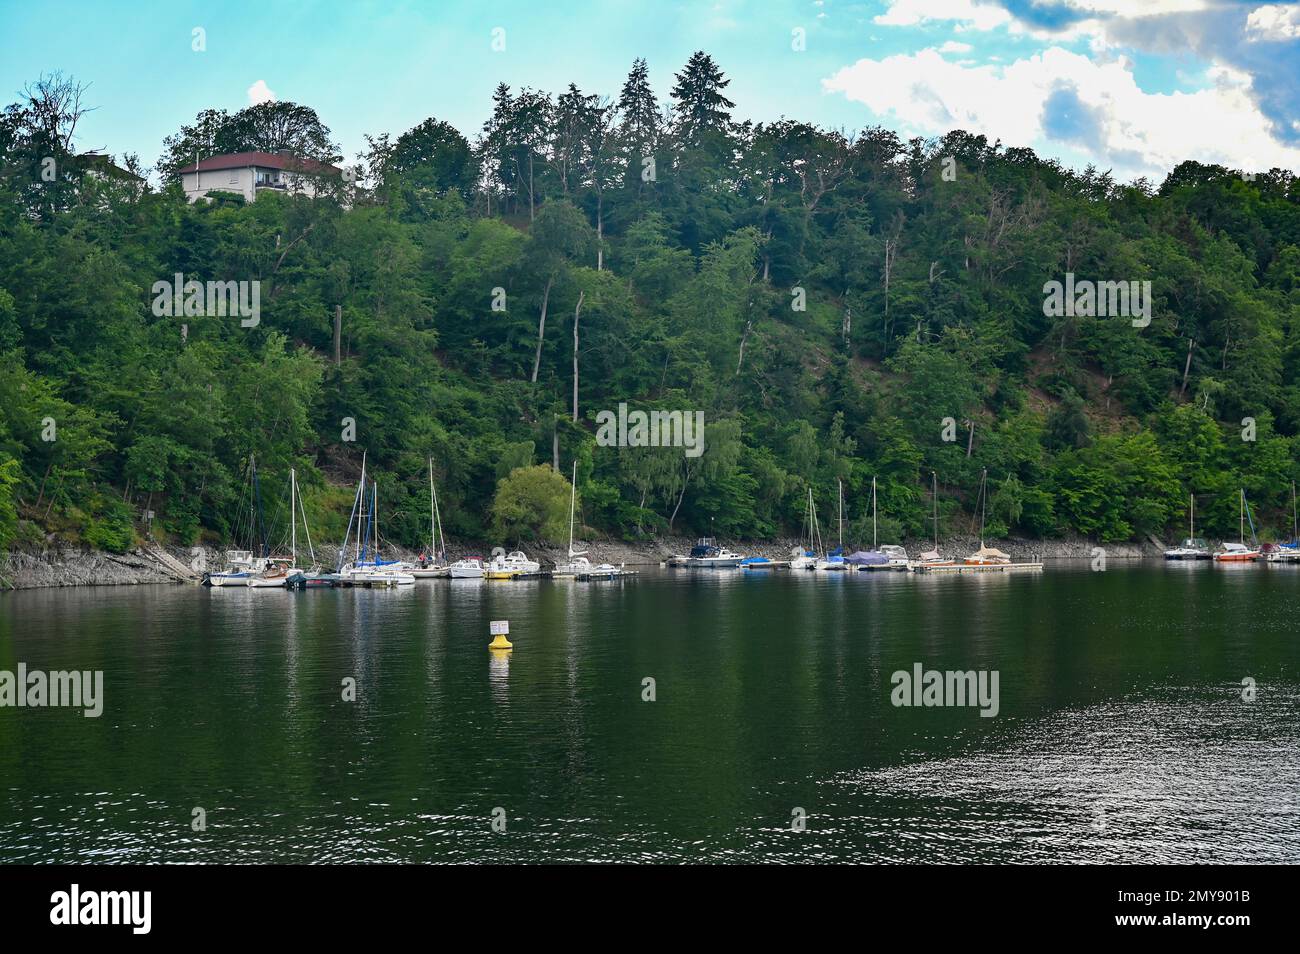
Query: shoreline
[79, 566]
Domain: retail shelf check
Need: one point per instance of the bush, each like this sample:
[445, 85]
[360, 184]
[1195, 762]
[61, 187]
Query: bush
[532, 503]
[112, 529]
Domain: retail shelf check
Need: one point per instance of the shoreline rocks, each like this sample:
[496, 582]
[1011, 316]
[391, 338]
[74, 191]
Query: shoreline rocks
[21, 569]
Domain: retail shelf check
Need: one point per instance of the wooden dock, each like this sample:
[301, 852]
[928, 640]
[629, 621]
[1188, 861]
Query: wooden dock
[1033, 567]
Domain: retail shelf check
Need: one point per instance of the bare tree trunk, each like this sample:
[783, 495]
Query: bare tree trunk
[743, 338]
[970, 440]
[1186, 367]
[338, 335]
[555, 446]
[531, 204]
[600, 232]
[576, 313]
[541, 329]
[680, 497]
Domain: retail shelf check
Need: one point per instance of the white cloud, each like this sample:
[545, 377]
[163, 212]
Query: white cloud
[259, 92]
[915, 12]
[952, 46]
[1127, 129]
[1273, 22]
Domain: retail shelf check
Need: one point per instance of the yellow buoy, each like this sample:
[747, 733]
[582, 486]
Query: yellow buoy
[499, 629]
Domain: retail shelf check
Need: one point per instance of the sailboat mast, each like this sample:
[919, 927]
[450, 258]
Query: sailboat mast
[1241, 515]
[293, 520]
[433, 526]
[984, 501]
[840, 485]
[343, 547]
[573, 497]
[873, 513]
[934, 494]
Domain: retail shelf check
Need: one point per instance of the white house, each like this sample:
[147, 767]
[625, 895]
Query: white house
[248, 173]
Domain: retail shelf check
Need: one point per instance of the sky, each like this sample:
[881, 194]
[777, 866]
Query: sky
[1133, 86]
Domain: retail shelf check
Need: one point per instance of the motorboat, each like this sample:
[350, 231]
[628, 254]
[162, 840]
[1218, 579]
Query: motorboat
[706, 553]
[470, 568]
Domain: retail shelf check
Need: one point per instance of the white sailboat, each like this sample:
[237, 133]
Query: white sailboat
[279, 570]
[434, 566]
[578, 561]
[242, 565]
[986, 555]
[934, 557]
[1192, 548]
[834, 562]
[802, 558]
[374, 571]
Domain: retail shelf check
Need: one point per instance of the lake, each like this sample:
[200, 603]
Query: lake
[1123, 732]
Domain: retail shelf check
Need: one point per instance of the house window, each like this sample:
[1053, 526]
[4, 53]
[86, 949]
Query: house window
[234, 178]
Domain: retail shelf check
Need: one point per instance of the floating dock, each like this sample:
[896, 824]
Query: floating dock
[1035, 566]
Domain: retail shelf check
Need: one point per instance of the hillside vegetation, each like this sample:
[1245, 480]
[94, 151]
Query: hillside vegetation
[827, 301]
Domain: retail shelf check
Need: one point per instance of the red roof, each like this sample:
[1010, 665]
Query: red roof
[266, 160]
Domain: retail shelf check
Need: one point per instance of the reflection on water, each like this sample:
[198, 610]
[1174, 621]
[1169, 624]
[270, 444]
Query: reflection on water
[1122, 734]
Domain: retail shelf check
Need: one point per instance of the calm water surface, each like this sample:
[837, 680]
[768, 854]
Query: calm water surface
[1122, 733]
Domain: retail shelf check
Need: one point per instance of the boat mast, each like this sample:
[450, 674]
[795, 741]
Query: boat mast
[433, 524]
[873, 513]
[343, 547]
[293, 521]
[311, 550]
[984, 502]
[934, 494]
[1295, 525]
[1241, 515]
[1191, 518]
[840, 485]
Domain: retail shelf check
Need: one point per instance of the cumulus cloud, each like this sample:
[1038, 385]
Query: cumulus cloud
[1058, 98]
[952, 46]
[259, 92]
[1261, 40]
[1273, 22]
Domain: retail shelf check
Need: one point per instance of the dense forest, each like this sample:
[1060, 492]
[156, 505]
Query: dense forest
[840, 307]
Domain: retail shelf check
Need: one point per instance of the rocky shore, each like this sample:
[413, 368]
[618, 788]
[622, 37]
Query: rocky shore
[84, 567]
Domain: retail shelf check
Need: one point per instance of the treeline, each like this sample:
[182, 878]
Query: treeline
[839, 307]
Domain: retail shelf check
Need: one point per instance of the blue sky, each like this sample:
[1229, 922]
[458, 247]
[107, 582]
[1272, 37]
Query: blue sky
[1130, 85]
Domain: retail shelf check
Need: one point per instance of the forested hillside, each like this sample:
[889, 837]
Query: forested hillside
[826, 300]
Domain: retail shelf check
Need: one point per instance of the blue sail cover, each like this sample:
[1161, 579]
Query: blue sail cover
[863, 558]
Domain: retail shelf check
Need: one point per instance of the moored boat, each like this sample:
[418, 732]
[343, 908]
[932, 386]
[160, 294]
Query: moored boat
[471, 568]
[1238, 552]
[1193, 547]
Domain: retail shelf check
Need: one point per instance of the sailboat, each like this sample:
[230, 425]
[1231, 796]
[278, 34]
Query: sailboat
[834, 561]
[241, 565]
[1289, 552]
[934, 557]
[434, 565]
[279, 571]
[887, 557]
[373, 571]
[1193, 548]
[802, 558]
[1238, 552]
[578, 561]
[986, 555]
